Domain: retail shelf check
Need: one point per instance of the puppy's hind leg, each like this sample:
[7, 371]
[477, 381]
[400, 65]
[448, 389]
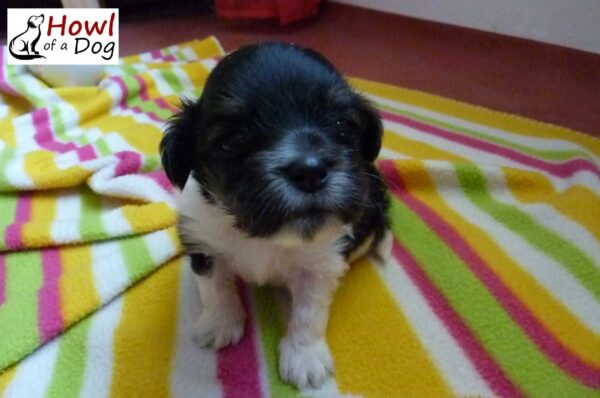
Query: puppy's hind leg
[222, 319]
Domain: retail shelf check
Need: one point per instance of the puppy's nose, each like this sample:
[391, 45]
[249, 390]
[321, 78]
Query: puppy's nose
[308, 173]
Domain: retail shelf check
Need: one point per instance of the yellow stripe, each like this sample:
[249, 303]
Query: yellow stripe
[142, 137]
[145, 337]
[17, 106]
[89, 102]
[576, 202]
[6, 378]
[149, 217]
[78, 292]
[43, 209]
[376, 351]
[487, 117]
[41, 168]
[207, 48]
[196, 72]
[555, 317]
[416, 149]
[151, 89]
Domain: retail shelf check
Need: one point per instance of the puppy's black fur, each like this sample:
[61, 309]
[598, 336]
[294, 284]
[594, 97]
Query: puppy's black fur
[265, 109]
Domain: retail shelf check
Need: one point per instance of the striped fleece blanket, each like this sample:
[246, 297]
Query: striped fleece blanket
[493, 288]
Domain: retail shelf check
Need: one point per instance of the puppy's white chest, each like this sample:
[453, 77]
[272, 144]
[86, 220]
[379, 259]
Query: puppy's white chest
[254, 259]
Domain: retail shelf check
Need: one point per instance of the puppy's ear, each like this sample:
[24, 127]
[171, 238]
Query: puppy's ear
[178, 146]
[372, 129]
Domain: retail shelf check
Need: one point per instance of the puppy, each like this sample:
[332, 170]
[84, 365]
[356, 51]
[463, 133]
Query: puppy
[278, 186]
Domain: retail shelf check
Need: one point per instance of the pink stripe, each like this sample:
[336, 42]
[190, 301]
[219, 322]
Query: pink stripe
[45, 137]
[2, 279]
[124, 105]
[157, 54]
[161, 178]
[50, 320]
[151, 115]
[238, 366]
[12, 233]
[484, 363]
[129, 163]
[143, 88]
[545, 341]
[564, 169]
[4, 84]
[165, 105]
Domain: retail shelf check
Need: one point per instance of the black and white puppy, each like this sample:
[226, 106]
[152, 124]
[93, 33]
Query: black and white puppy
[278, 186]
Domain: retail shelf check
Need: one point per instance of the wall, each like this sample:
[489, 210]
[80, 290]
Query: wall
[571, 23]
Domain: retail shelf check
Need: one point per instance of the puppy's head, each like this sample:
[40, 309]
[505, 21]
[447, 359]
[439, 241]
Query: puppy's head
[278, 140]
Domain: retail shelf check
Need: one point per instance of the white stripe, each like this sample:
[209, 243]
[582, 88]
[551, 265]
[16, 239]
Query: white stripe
[110, 272]
[65, 227]
[453, 147]
[129, 186]
[456, 368]
[97, 375]
[189, 54]
[34, 373]
[161, 246]
[538, 143]
[183, 77]
[116, 143]
[583, 177]
[386, 153]
[115, 223]
[161, 85]
[194, 369]
[209, 63]
[138, 117]
[553, 220]
[15, 174]
[548, 273]
[66, 160]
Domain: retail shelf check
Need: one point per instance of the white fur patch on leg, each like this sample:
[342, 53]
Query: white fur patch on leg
[218, 327]
[383, 251]
[306, 366]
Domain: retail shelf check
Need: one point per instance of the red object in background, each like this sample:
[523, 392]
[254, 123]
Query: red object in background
[286, 10]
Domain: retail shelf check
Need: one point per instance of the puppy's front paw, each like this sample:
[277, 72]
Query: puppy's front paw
[305, 365]
[219, 327]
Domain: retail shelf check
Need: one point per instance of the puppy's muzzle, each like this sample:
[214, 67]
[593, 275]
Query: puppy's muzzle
[308, 173]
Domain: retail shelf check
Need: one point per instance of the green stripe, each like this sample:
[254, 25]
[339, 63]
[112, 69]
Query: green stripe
[57, 123]
[136, 255]
[18, 82]
[271, 331]
[19, 313]
[563, 251]
[8, 206]
[67, 377]
[494, 329]
[133, 87]
[6, 156]
[90, 222]
[151, 163]
[172, 80]
[556, 155]
[102, 148]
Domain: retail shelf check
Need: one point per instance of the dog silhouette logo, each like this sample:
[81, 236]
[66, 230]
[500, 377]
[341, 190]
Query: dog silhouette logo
[23, 45]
